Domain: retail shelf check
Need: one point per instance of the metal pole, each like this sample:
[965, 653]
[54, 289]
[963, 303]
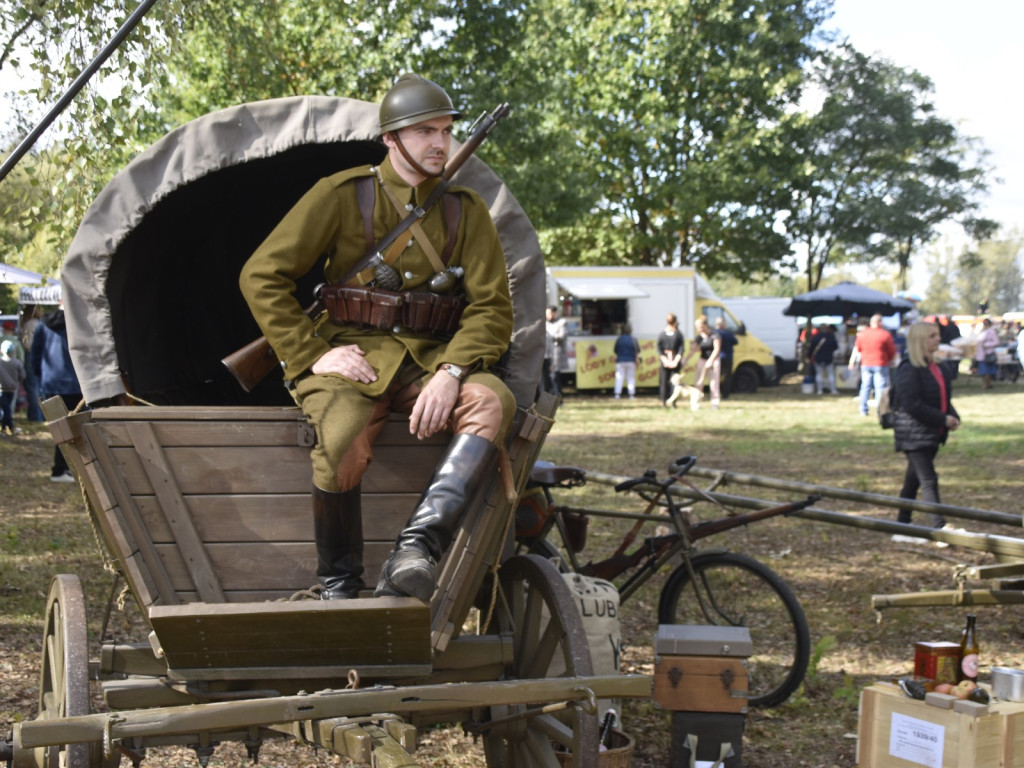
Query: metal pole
[983, 515]
[80, 81]
[1000, 545]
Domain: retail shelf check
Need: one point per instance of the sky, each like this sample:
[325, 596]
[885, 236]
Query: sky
[973, 53]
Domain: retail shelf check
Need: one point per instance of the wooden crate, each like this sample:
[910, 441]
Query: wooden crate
[896, 731]
[701, 668]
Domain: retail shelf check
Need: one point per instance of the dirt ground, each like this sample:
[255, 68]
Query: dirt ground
[833, 569]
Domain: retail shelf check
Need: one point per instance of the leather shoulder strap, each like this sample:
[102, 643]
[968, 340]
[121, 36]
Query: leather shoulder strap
[366, 194]
[452, 204]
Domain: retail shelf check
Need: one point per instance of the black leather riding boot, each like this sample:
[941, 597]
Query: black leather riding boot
[409, 571]
[338, 527]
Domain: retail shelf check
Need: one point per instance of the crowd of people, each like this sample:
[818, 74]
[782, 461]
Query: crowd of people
[35, 364]
[711, 352]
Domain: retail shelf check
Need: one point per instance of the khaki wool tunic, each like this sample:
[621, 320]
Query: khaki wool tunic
[327, 219]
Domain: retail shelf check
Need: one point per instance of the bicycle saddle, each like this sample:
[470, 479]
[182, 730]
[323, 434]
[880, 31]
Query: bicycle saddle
[546, 473]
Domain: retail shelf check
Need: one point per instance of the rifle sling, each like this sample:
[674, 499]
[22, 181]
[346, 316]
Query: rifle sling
[451, 205]
[392, 237]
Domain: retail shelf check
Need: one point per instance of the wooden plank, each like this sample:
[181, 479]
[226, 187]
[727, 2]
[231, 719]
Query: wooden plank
[200, 413]
[151, 562]
[164, 483]
[231, 470]
[339, 675]
[287, 431]
[480, 541]
[289, 566]
[337, 633]
[206, 433]
[273, 518]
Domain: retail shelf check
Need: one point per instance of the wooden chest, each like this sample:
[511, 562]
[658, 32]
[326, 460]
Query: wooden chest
[701, 668]
[896, 731]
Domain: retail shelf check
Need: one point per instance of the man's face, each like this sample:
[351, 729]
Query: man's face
[428, 143]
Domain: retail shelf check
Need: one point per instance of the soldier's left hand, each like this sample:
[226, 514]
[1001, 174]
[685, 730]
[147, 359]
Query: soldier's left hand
[434, 406]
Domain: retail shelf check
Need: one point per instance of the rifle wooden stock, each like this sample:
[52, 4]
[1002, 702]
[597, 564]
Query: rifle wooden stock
[616, 565]
[710, 527]
[254, 362]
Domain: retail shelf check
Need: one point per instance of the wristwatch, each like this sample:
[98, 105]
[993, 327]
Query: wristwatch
[457, 372]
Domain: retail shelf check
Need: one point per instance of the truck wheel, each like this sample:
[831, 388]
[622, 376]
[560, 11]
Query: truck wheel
[745, 380]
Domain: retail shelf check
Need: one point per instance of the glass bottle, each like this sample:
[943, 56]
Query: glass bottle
[969, 651]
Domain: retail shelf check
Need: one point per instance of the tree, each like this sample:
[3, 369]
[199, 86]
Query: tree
[879, 170]
[676, 110]
[992, 272]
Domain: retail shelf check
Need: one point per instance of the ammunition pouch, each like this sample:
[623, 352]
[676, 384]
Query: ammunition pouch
[415, 311]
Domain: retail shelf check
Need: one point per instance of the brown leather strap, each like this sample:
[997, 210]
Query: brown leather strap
[452, 205]
[366, 194]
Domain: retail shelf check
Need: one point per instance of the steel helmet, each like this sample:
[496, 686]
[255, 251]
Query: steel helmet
[413, 99]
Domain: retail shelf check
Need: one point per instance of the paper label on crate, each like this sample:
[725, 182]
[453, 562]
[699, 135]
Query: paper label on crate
[916, 740]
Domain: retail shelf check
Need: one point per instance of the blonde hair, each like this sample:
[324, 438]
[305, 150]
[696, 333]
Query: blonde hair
[917, 343]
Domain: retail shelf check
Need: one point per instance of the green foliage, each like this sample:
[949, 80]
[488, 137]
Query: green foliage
[642, 132]
[818, 652]
[879, 170]
[960, 278]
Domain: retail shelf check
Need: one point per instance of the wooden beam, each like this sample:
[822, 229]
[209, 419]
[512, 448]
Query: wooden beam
[165, 486]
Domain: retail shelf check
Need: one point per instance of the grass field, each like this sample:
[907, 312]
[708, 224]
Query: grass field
[777, 432]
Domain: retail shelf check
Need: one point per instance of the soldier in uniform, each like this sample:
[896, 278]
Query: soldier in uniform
[347, 378]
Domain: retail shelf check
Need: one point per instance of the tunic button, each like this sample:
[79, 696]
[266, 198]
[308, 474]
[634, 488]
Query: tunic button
[409, 275]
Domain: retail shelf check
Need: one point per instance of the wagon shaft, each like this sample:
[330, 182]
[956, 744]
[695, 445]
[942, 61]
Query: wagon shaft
[453, 700]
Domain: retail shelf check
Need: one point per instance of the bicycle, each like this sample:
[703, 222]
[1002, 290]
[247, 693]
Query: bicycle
[729, 588]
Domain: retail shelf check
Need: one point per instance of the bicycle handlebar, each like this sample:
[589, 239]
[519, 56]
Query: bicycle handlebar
[677, 469]
[682, 465]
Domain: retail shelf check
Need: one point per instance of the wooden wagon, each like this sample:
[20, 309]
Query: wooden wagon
[200, 497]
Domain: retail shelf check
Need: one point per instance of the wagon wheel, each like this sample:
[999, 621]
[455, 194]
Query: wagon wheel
[64, 681]
[546, 627]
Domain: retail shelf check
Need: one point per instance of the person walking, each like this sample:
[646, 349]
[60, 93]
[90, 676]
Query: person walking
[709, 347]
[555, 333]
[627, 352]
[985, 353]
[823, 357]
[875, 350]
[347, 378]
[51, 361]
[729, 342]
[29, 324]
[670, 351]
[12, 374]
[924, 416]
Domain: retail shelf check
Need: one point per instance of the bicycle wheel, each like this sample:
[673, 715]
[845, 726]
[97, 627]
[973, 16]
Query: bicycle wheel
[739, 591]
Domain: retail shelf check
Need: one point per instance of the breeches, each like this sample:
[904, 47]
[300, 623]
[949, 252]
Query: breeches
[348, 422]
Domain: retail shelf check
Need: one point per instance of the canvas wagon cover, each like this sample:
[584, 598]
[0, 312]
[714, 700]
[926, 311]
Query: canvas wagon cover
[151, 279]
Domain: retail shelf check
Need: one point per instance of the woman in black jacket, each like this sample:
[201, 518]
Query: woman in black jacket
[924, 415]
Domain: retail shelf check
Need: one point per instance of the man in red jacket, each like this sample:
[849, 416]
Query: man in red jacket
[877, 351]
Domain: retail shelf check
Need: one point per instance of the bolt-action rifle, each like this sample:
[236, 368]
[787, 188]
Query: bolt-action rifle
[253, 362]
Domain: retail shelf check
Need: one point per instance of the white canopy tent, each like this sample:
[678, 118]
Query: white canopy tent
[11, 275]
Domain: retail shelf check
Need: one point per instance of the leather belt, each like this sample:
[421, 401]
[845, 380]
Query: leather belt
[416, 311]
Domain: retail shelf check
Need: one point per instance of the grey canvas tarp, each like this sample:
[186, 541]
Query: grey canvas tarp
[151, 279]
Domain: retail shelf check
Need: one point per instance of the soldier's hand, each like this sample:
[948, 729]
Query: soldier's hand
[434, 406]
[348, 361]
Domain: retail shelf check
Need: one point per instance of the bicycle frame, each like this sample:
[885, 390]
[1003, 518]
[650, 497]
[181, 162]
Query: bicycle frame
[660, 549]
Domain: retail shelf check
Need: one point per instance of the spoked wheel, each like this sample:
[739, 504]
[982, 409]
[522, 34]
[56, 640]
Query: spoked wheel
[735, 590]
[64, 681]
[547, 635]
